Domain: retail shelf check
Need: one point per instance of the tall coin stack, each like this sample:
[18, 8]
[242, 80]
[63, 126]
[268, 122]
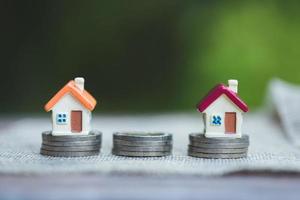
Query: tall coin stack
[71, 145]
[142, 144]
[225, 148]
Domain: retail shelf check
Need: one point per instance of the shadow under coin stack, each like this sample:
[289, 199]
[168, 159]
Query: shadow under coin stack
[142, 144]
[223, 148]
[71, 145]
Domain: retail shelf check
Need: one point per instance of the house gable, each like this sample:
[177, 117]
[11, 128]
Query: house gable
[67, 103]
[221, 105]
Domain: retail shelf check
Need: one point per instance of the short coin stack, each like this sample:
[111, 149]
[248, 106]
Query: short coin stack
[225, 148]
[71, 145]
[142, 144]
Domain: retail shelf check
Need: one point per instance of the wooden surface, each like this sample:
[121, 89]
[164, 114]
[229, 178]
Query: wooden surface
[91, 186]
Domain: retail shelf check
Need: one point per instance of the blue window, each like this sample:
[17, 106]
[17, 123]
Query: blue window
[61, 119]
[216, 120]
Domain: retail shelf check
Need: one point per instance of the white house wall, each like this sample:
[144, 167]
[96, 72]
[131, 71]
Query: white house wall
[65, 105]
[219, 107]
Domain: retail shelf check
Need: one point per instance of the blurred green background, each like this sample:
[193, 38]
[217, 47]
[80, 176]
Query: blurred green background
[145, 56]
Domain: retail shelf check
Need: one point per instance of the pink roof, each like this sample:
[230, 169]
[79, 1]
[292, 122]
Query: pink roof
[218, 91]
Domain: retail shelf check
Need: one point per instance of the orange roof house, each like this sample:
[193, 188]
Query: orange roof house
[71, 109]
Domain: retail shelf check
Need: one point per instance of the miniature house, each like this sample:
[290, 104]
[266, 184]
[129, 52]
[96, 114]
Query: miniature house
[222, 111]
[71, 109]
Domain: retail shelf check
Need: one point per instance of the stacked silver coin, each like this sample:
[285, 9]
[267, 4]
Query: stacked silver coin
[142, 144]
[226, 148]
[71, 145]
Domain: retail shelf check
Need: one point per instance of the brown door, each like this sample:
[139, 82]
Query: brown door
[230, 122]
[76, 121]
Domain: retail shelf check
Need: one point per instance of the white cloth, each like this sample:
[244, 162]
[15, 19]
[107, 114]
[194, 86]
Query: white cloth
[20, 140]
[286, 100]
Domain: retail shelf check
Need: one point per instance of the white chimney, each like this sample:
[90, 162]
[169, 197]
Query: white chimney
[233, 85]
[79, 82]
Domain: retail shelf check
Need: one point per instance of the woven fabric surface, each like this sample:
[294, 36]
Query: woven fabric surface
[20, 141]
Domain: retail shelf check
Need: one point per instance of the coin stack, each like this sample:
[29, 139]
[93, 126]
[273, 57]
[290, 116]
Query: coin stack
[225, 148]
[142, 144]
[71, 145]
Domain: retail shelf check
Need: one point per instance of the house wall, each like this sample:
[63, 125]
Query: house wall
[65, 105]
[219, 107]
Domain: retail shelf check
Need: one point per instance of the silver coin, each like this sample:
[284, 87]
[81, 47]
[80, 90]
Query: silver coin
[204, 150]
[67, 149]
[73, 144]
[201, 138]
[219, 145]
[69, 154]
[216, 142]
[93, 135]
[140, 154]
[141, 143]
[217, 156]
[141, 136]
[145, 149]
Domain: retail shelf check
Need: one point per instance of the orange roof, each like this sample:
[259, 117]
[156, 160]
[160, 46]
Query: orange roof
[84, 97]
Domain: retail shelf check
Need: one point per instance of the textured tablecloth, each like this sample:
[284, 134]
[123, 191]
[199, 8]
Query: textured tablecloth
[20, 140]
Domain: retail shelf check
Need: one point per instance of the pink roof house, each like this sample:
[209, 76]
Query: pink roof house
[222, 111]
